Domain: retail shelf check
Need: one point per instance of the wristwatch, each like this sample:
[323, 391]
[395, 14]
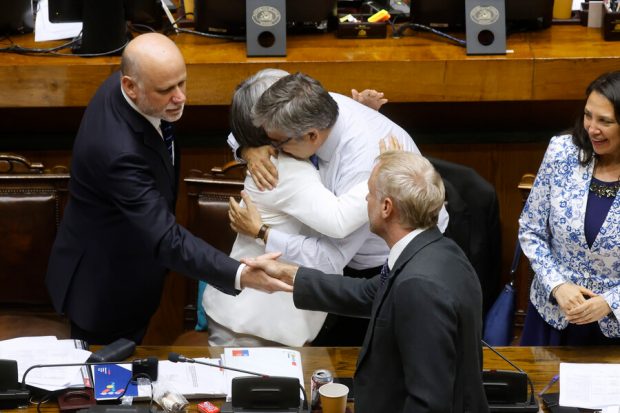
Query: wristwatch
[262, 232]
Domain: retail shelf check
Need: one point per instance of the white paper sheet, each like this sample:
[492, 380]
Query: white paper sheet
[589, 386]
[30, 351]
[194, 380]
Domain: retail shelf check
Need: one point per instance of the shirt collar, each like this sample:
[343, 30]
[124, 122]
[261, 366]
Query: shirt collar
[399, 247]
[330, 146]
[156, 122]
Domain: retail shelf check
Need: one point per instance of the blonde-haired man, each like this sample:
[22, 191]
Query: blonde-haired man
[422, 351]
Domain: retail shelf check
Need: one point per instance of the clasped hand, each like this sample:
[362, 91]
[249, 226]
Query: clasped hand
[260, 274]
[579, 304]
[280, 276]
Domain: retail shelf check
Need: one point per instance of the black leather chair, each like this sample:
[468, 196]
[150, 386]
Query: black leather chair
[474, 223]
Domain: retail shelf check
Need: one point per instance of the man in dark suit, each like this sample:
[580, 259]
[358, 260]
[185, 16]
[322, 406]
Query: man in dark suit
[118, 237]
[422, 351]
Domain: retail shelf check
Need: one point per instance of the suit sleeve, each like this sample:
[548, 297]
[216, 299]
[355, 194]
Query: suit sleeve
[134, 191]
[427, 324]
[314, 290]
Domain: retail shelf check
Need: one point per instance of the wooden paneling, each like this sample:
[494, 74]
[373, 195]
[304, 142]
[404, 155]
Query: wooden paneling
[553, 64]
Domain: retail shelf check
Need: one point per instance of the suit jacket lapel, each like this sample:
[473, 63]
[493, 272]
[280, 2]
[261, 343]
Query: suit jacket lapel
[150, 136]
[419, 242]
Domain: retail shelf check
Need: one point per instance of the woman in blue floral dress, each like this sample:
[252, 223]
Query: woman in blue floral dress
[570, 229]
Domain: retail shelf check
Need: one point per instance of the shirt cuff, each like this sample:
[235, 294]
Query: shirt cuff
[238, 277]
[276, 242]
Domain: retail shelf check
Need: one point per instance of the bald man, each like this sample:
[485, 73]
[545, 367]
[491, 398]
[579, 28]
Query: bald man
[119, 237]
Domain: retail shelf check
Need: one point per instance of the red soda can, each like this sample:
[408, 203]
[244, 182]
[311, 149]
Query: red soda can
[319, 378]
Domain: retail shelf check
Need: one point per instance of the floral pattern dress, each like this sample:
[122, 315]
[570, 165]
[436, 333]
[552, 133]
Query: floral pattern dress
[551, 233]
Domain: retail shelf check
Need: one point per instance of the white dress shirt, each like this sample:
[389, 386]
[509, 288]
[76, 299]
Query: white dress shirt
[400, 246]
[346, 159]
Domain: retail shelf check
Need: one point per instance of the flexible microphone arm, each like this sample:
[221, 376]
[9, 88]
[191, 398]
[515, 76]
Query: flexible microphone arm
[487, 345]
[98, 363]
[38, 366]
[177, 358]
[490, 347]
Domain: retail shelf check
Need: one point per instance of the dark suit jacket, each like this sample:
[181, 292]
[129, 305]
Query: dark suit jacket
[422, 351]
[118, 236]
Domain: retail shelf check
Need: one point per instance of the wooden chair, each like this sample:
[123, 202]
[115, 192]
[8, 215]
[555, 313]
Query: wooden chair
[32, 200]
[524, 275]
[207, 217]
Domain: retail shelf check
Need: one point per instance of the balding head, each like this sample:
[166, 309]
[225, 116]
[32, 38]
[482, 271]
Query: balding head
[149, 52]
[153, 76]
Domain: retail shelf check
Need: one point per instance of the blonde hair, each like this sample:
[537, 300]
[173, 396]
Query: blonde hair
[414, 186]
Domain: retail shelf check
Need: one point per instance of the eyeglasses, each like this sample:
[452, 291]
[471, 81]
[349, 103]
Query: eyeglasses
[278, 145]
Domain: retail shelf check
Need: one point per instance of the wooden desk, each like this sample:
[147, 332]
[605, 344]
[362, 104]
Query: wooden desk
[553, 64]
[541, 363]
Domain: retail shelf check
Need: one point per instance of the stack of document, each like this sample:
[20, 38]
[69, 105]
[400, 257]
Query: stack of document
[590, 386]
[192, 380]
[30, 351]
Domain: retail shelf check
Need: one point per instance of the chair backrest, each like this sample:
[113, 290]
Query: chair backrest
[524, 274]
[207, 217]
[32, 201]
[474, 223]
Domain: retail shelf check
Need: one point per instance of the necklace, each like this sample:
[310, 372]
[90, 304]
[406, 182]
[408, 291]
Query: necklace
[604, 189]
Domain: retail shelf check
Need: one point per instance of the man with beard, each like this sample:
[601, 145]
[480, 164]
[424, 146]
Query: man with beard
[119, 237]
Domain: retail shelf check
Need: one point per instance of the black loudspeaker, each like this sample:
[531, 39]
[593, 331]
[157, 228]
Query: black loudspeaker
[16, 17]
[485, 23]
[11, 395]
[147, 367]
[104, 29]
[118, 350]
[265, 27]
[265, 393]
[8, 374]
[505, 387]
[146, 12]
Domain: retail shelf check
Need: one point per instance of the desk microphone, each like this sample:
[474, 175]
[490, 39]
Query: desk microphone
[142, 367]
[508, 388]
[177, 358]
[262, 392]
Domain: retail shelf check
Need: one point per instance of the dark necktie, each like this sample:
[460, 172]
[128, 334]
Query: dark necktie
[167, 132]
[315, 161]
[385, 272]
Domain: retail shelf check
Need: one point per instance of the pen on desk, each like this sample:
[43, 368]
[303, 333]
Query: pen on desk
[548, 386]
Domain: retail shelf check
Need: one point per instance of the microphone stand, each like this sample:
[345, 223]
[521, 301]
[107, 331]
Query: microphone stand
[177, 358]
[38, 366]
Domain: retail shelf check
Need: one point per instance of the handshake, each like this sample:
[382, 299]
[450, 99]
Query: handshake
[265, 273]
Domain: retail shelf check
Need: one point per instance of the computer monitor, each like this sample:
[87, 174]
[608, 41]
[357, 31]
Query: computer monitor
[449, 15]
[105, 21]
[16, 16]
[146, 12]
[228, 16]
